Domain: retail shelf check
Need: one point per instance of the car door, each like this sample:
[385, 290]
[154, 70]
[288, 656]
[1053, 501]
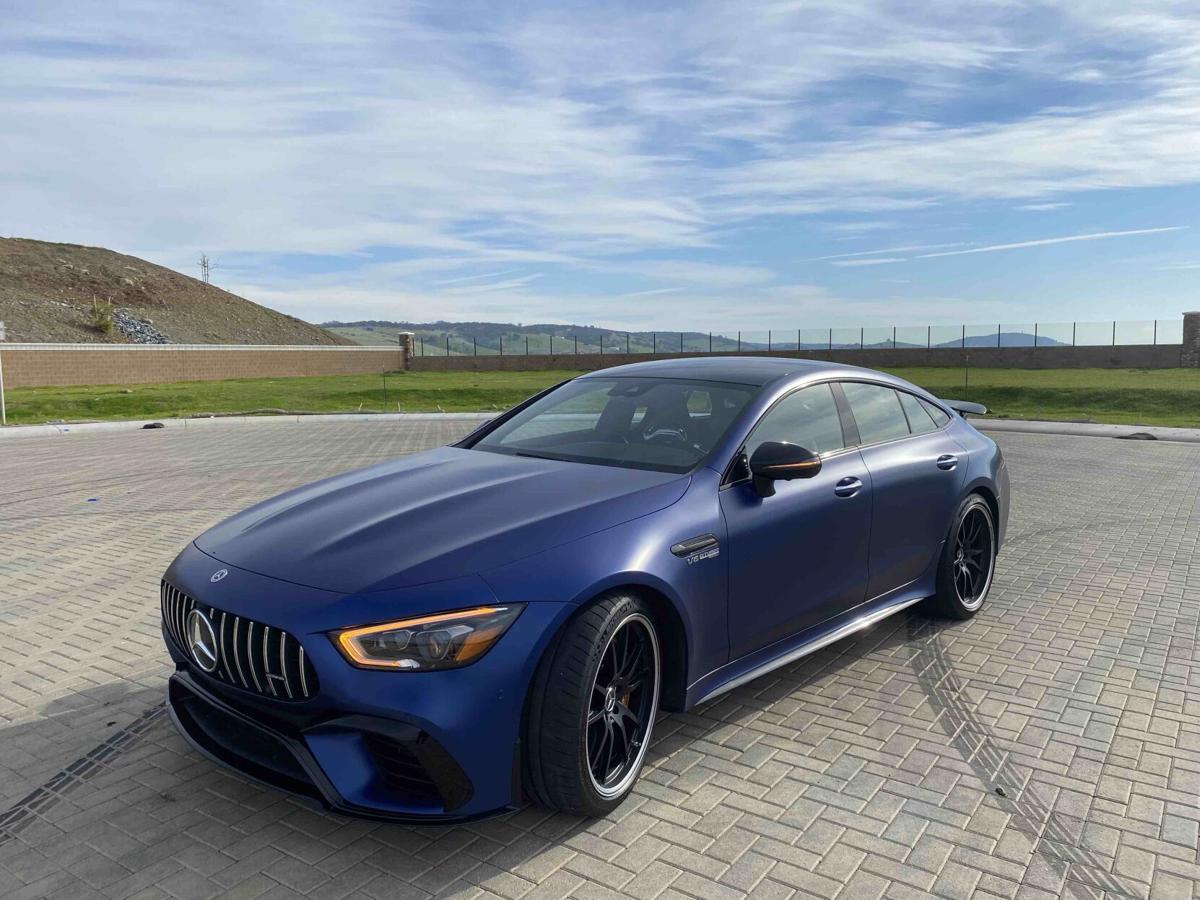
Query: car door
[916, 477]
[799, 556]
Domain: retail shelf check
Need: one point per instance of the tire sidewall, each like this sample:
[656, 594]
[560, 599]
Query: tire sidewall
[626, 608]
[947, 592]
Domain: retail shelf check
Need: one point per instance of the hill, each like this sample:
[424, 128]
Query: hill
[463, 338]
[47, 293]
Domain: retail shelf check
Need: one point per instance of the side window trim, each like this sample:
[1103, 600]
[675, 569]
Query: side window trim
[850, 433]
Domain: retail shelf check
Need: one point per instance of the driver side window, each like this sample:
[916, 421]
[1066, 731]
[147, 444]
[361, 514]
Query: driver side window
[808, 417]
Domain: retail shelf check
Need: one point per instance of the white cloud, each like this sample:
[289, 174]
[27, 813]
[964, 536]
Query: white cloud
[873, 261]
[1043, 242]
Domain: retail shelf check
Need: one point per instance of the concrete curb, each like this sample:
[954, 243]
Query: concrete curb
[19, 431]
[1081, 429]
[1089, 429]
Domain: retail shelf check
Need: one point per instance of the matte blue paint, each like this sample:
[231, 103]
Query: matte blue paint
[455, 528]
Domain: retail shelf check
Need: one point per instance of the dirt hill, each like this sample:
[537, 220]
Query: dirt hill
[47, 293]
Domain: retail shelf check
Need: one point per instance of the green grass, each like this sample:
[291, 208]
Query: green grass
[1123, 396]
[405, 391]
[1118, 396]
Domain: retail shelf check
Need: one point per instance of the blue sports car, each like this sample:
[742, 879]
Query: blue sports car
[436, 637]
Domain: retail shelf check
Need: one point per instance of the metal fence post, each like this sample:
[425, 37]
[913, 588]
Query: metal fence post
[475, 346]
[964, 337]
[501, 345]
[447, 345]
[893, 337]
[1073, 324]
[739, 342]
[627, 343]
[422, 346]
[710, 342]
[1035, 329]
[928, 337]
[862, 335]
[830, 338]
[551, 344]
[654, 342]
[681, 342]
[1114, 332]
[768, 340]
[526, 345]
[1155, 339]
[602, 343]
[797, 340]
[3, 405]
[998, 336]
[576, 345]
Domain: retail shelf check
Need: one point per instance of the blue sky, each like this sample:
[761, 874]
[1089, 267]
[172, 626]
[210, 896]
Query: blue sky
[634, 165]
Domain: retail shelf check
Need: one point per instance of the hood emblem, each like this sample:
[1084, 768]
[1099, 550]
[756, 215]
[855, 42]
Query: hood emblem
[218, 575]
[202, 640]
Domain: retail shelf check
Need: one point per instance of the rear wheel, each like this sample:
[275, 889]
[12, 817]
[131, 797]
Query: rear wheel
[592, 709]
[968, 561]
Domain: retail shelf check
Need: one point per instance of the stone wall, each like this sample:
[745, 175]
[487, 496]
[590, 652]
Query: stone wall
[45, 365]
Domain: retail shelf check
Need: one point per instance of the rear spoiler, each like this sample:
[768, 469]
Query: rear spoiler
[965, 408]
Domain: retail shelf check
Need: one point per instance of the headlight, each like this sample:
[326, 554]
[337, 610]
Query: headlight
[442, 641]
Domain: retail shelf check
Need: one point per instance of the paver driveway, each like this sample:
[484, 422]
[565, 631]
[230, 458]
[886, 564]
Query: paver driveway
[1049, 746]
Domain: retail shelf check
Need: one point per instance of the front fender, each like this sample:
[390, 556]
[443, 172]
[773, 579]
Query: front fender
[638, 553]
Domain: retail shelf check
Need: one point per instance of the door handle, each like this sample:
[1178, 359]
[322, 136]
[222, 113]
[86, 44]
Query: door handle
[947, 461]
[847, 487]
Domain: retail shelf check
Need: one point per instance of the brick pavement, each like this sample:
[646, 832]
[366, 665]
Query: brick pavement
[1046, 748]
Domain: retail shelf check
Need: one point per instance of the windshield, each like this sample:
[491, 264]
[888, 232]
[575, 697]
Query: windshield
[666, 424]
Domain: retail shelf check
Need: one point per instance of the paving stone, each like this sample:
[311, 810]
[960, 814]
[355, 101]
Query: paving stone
[868, 769]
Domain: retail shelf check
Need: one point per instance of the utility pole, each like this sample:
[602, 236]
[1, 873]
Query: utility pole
[206, 268]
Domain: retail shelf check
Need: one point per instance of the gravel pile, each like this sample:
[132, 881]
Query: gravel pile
[140, 331]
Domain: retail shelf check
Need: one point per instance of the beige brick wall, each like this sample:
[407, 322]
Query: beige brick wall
[45, 365]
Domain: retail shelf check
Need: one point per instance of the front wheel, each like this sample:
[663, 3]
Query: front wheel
[968, 561]
[592, 709]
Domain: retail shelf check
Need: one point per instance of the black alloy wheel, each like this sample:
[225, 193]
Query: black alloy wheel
[591, 707]
[968, 561]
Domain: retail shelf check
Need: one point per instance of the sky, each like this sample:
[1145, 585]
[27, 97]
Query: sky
[673, 166]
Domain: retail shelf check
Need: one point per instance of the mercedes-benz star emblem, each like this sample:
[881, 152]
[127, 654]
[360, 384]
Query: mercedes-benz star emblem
[202, 640]
[218, 575]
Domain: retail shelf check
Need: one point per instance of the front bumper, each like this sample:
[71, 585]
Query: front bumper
[414, 769]
[430, 747]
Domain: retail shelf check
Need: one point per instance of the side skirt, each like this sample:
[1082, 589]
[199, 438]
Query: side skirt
[727, 678]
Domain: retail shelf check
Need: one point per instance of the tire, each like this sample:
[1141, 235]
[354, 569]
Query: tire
[592, 707]
[967, 563]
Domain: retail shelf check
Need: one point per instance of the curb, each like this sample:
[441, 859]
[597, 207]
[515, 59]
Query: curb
[1077, 429]
[1090, 429]
[20, 431]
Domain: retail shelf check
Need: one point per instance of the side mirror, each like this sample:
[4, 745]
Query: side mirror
[776, 461]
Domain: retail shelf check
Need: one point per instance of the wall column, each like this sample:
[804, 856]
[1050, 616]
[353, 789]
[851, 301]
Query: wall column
[407, 346]
[1190, 356]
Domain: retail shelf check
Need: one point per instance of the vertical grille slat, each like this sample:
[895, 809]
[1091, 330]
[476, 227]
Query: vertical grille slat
[237, 653]
[287, 685]
[258, 662]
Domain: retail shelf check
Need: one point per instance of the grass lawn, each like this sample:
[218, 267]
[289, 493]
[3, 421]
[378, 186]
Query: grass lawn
[1128, 396]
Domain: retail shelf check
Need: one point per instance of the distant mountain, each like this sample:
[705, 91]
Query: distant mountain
[62, 293]
[466, 338]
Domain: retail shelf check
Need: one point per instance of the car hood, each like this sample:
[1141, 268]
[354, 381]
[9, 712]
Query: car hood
[432, 516]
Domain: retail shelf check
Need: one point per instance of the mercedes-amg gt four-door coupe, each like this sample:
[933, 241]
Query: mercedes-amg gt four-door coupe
[439, 636]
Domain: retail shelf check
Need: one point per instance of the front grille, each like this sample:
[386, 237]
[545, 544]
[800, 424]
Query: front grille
[251, 655]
